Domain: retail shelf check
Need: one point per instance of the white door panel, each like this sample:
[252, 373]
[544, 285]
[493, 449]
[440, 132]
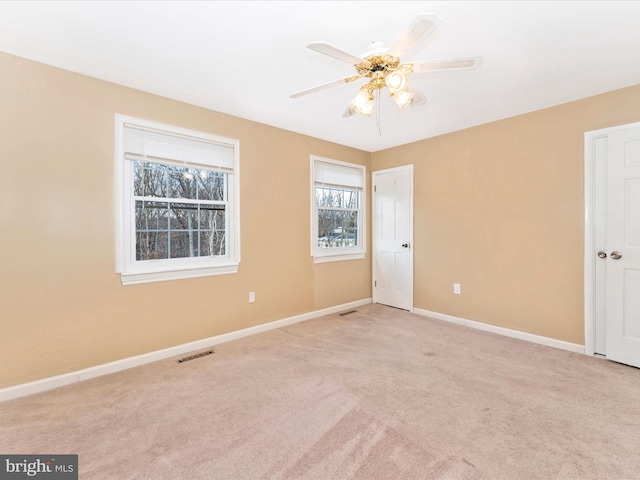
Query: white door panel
[393, 237]
[623, 246]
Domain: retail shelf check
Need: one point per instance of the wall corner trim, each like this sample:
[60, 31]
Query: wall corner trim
[507, 332]
[50, 383]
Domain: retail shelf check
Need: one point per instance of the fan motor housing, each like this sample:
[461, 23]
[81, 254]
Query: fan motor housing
[377, 66]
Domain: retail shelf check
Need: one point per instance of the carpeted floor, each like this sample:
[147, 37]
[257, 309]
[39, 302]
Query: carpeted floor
[377, 394]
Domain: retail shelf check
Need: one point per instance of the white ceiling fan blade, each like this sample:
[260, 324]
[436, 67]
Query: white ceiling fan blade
[349, 112]
[421, 26]
[467, 63]
[335, 52]
[418, 98]
[318, 88]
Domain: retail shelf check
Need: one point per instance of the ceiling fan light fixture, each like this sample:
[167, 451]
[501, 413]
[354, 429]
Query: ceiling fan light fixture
[402, 98]
[363, 102]
[396, 81]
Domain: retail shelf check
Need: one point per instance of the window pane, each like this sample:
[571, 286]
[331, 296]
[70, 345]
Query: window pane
[150, 179]
[212, 217]
[151, 245]
[337, 228]
[328, 197]
[210, 185]
[183, 216]
[151, 215]
[351, 199]
[212, 243]
[182, 244]
[182, 182]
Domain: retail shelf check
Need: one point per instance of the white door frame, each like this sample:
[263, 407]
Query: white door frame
[373, 228]
[590, 231]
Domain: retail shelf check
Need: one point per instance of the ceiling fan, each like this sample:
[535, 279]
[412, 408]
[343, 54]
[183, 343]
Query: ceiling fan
[383, 67]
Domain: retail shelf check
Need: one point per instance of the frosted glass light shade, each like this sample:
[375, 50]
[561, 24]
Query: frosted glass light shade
[403, 98]
[363, 103]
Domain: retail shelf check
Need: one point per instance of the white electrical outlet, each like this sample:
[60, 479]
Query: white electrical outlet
[456, 288]
[252, 297]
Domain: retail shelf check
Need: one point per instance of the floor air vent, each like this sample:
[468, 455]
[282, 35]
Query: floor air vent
[196, 355]
[348, 313]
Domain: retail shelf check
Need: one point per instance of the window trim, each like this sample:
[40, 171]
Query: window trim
[130, 271]
[337, 254]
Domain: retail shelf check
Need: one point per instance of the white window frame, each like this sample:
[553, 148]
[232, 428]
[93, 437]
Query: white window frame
[133, 271]
[335, 254]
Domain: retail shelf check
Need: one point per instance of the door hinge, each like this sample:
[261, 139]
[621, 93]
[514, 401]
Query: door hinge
[375, 188]
[375, 284]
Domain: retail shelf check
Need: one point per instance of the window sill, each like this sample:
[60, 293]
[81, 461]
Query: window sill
[134, 278]
[338, 257]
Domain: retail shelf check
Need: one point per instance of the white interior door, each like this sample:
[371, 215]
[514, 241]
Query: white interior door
[393, 237]
[623, 247]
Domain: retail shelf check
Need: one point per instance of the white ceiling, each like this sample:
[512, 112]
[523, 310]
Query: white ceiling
[245, 58]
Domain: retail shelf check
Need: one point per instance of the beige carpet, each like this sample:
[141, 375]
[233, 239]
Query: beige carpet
[378, 394]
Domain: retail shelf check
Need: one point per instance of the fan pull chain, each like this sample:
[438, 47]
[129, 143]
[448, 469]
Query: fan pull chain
[378, 112]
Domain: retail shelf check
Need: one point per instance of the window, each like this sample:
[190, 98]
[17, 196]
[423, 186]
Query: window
[337, 210]
[177, 190]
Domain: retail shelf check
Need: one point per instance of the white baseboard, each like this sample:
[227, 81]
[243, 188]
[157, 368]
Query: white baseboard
[126, 363]
[529, 337]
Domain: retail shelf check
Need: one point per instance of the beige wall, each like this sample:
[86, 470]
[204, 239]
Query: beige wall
[62, 307]
[499, 208]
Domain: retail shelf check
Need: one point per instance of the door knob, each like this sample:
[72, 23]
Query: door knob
[616, 255]
[405, 245]
[602, 254]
